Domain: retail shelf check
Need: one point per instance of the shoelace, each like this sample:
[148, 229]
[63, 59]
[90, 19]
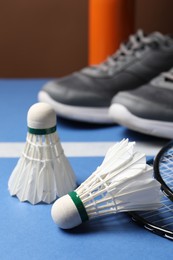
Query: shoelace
[136, 43]
[168, 76]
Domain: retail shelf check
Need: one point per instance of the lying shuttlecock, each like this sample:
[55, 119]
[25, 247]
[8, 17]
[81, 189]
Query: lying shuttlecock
[123, 182]
[43, 171]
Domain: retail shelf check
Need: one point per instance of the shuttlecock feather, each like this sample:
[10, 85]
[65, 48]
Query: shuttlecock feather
[43, 172]
[123, 182]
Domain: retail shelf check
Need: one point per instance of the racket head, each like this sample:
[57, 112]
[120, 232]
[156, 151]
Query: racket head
[160, 221]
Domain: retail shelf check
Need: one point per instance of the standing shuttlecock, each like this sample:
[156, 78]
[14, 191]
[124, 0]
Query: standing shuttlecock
[123, 182]
[42, 172]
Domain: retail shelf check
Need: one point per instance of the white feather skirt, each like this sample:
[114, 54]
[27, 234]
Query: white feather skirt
[123, 182]
[43, 172]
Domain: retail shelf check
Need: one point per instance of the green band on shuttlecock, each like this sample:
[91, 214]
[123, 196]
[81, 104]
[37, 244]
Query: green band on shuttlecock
[42, 131]
[79, 205]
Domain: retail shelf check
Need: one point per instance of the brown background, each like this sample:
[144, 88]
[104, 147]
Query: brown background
[41, 38]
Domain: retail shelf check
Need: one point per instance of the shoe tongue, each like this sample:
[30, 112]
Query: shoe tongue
[130, 45]
[157, 36]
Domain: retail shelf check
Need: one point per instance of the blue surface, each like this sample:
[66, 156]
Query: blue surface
[28, 232]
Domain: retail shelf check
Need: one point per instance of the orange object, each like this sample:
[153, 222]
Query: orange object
[110, 23]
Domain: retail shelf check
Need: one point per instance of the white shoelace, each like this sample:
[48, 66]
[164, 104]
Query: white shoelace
[136, 43]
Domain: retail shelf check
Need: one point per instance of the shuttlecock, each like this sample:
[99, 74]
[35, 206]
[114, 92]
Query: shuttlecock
[43, 172]
[123, 182]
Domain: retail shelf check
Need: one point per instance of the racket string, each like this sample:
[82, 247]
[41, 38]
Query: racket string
[163, 217]
[161, 221]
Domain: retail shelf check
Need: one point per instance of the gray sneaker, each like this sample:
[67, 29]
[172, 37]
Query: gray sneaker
[148, 109]
[86, 95]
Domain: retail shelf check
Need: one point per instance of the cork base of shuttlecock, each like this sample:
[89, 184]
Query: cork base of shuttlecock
[41, 116]
[65, 213]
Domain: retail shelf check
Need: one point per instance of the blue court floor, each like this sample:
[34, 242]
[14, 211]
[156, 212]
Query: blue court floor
[27, 232]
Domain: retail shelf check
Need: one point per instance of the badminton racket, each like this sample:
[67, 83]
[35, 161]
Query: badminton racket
[160, 221]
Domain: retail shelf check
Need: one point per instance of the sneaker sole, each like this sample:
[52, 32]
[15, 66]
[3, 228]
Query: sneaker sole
[122, 116]
[84, 114]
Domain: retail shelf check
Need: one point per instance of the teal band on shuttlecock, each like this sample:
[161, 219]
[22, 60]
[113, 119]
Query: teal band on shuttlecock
[79, 205]
[42, 131]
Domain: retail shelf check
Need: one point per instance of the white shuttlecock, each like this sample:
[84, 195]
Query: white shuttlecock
[43, 172]
[123, 182]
